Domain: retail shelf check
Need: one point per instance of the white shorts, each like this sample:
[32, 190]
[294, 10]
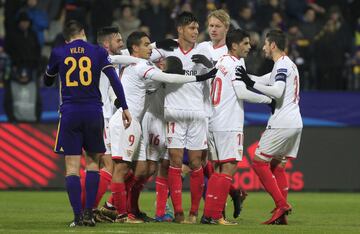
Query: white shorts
[279, 143]
[154, 137]
[107, 136]
[189, 134]
[225, 146]
[125, 143]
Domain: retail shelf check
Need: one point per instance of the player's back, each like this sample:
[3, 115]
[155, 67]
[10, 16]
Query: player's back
[287, 112]
[228, 111]
[79, 65]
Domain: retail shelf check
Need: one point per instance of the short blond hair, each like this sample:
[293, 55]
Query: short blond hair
[221, 15]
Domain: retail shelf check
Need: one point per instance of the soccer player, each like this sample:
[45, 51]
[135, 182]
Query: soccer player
[109, 38]
[81, 123]
[218, 26]
[185, 115]
[226, 124]
[281, 139]
[154, 131]
[125, 142]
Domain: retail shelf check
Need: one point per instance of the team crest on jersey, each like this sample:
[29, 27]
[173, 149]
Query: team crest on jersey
[281, 70]
[169, 140]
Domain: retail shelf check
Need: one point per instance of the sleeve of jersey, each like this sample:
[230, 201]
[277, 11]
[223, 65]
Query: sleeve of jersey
[244, 94]
[265, 79]
[275, 91]
[149, 71]
[123, 59]
[116, 85]
[52, 69]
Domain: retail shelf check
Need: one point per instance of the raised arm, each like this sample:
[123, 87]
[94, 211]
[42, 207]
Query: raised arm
[264, 79]
[244, 94]
[275, 91]
[180, 79]
[123, 59]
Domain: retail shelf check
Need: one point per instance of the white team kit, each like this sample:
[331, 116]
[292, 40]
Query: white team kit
[154, 126]
[125, 142]
[227, 120]
[281, 138]
[107, 98]
[184, 106]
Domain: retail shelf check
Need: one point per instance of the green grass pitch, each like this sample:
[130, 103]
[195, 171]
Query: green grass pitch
[50, 212]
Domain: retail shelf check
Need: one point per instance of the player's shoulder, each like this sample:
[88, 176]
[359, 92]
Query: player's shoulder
[283, 65]
[204, 44]
[228, 60]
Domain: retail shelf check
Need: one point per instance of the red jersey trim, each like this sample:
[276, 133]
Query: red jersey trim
[185, 52]
[219, 46]
[148, 71]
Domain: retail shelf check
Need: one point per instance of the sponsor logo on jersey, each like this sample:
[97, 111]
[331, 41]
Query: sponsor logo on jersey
[281, 70]
[190, 73]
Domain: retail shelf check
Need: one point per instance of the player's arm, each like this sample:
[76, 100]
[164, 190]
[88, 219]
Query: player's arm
[264, 79]
[52, 69]
[180, 79]
[275, 91]
[123, 59]
[244, 94]
[110, 72]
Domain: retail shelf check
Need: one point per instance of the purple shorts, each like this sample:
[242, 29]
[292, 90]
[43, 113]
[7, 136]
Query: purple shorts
[80, 129]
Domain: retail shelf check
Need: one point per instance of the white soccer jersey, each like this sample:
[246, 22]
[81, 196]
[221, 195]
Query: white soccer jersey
[156, 101]
[287, 112]
[216, 52]
[185, 98]
[105, 89]
[135, 79]
[228, 110]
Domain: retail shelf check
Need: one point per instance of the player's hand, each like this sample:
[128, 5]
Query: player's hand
[211, 74]
[126, 117]
[243, 76]
[117, 103]
[48, 81]
[272, 106]
[167, 44]
[200, 58]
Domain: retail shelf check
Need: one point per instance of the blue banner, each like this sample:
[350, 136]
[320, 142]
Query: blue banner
[328, 109]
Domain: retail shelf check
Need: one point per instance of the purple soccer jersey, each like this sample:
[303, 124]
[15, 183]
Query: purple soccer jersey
[79, 65]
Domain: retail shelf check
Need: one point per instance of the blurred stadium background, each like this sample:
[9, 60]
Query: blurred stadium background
[324, 42]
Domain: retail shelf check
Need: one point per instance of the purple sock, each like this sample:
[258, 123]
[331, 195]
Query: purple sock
[73, 188]
[91, 187]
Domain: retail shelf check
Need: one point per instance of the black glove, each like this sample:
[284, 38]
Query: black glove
[209, 75]
[199, 58]
[243, 76]
[117, 103]
[167, 44]
[48, 81]
[272, 106]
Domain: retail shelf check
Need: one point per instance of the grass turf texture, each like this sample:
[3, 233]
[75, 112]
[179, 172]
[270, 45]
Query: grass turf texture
[50, 212]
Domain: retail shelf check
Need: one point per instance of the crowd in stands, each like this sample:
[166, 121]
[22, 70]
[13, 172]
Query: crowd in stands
[324, 35]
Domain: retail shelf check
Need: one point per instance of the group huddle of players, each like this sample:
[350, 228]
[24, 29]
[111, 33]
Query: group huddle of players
[160, 101]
